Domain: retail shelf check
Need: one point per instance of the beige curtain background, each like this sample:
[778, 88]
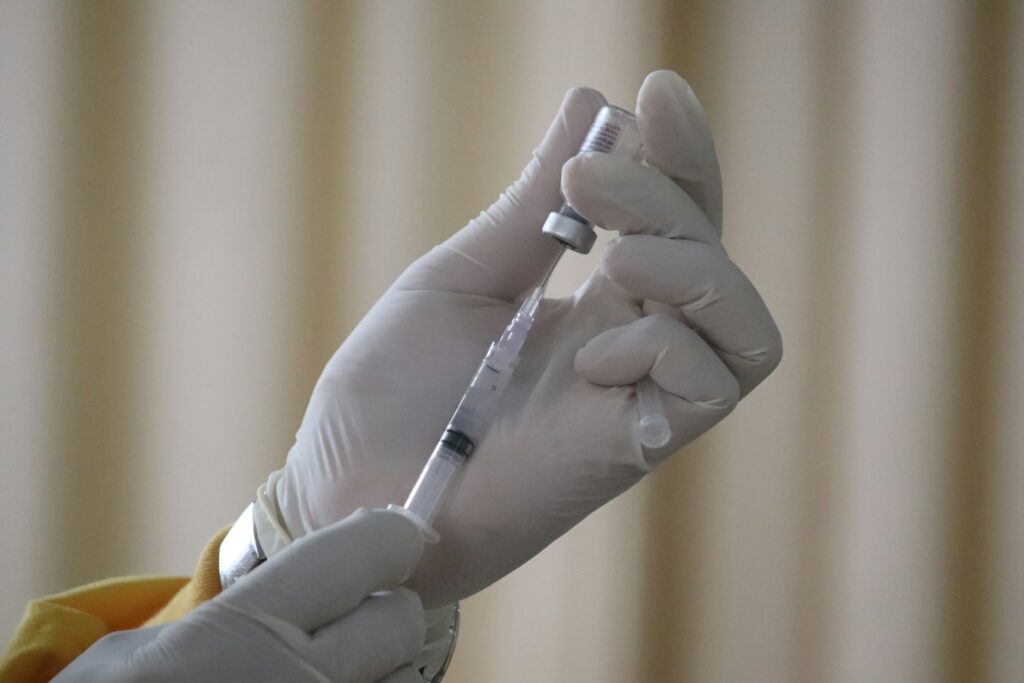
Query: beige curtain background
[199, 200]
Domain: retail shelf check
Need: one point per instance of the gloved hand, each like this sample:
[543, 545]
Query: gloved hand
[312, 613]
[565, 441]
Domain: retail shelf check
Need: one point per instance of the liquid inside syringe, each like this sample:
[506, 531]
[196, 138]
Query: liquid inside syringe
[471, 419]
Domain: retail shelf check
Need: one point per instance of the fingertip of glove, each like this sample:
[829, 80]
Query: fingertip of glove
[594, 176]
[590, 357]
[581, 362]
[402, 524]
[583, 96]
[667, 79]
[401, 532]
[579, 107]
[575, 177]
[564, 136]
[664, 89]
[412, 605]
[619, 258]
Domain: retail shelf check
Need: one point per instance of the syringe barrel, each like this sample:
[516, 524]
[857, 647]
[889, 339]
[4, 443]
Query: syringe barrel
[614, 131]
[467, 427]
[470, 421]
[480, 401]
[436, 478]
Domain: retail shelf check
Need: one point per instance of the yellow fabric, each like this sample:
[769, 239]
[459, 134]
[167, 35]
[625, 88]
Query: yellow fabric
[58, 628]
[204, 584]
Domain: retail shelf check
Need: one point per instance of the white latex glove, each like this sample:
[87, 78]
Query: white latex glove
[312, 613]
[565, 441]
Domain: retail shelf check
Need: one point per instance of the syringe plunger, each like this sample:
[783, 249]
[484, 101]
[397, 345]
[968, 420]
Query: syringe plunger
[655, 430]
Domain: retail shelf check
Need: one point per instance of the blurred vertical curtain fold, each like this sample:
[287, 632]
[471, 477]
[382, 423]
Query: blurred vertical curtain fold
[199, 200]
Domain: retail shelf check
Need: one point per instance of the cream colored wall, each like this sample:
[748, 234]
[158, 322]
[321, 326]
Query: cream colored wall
[199, 200]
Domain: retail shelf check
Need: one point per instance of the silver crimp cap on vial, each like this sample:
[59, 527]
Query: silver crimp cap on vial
[574, 233]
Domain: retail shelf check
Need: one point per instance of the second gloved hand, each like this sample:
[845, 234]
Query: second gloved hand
[565, 441]
[325, 609]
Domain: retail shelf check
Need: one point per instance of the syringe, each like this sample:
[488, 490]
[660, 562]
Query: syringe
[471, 419]
[614, 131]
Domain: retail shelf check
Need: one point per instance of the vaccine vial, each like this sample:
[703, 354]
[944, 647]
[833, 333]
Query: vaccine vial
[614, 131]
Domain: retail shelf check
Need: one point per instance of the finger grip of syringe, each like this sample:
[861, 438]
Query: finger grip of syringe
[655, 431]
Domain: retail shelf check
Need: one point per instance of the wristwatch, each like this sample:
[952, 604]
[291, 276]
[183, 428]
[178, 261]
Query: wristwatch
[435, 671]
[240, 551]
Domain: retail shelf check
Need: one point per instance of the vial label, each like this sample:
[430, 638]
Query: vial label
[602, 138]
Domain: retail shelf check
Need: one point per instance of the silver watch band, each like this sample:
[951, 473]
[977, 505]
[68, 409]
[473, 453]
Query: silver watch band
[453, 633]
[240, 550]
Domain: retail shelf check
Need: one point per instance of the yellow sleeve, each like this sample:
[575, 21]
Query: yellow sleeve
[204, 584]
[58, 628]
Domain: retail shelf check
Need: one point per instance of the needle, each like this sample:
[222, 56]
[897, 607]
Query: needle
[547, 276]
